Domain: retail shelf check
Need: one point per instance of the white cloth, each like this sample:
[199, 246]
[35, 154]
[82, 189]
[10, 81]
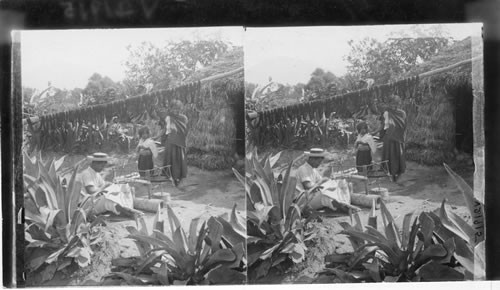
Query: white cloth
[121, 194]
[116, 193]
[151, 145]
[169, 126]
[332, 189]
[387, 121]
[368, 139]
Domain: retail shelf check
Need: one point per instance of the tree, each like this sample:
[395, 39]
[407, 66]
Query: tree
[101, 89]
[299, 91]
[28, 107]
[163, 67]
[387, 61]
[322, 84]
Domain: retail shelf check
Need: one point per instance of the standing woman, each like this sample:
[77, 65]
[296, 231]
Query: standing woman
[175, 142]
[392, 135]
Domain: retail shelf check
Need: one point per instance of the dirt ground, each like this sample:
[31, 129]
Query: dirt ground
[421, 188]
[203, 194]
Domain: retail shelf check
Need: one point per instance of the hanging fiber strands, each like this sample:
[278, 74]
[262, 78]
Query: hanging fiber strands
[87, 126]
[272, 128]
[208, 103]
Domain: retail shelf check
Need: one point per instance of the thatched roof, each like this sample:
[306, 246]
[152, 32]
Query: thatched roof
[457, 52]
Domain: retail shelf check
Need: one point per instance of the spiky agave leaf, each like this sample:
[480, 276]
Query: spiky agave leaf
[215, 230]
[456, 225]
[235, 221]
[30, 165]
[475, 207]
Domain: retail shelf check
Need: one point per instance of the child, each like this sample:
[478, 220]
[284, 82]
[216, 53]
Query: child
[365, 147]
[147, 152]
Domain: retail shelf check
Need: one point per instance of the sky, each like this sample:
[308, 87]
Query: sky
[289, 55]
[67, 58]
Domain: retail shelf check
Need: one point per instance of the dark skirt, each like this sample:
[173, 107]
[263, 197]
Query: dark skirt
[175, 156]
[363, 158]
[145, 163]
[393, 151]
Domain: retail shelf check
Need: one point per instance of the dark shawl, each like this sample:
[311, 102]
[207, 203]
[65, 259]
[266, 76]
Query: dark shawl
[397, 127]
[178, 136]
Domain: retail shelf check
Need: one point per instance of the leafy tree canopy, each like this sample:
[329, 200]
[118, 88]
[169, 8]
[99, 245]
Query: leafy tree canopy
[163, 67]
[387, 61]
[102, 89]
[322, 83]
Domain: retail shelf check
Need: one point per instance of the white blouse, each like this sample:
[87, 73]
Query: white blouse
[149, 143]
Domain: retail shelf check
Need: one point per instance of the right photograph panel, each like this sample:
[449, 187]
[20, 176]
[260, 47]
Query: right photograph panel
[364, 153]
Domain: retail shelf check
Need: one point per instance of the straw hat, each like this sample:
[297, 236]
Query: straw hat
[316, 152]
[99, 157]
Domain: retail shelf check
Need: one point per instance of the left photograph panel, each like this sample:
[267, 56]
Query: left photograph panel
[132, 141]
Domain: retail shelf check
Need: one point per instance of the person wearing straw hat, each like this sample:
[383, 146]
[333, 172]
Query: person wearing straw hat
[100, 196]
[321, 191]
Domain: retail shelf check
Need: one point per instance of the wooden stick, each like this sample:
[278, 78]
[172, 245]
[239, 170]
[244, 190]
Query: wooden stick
[222, 75]
[423, 75]
[205, 80]
[372, 218]
[443, 69]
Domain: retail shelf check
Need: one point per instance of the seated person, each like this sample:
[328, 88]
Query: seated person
[147, 153]
[328, 193]
[365, 148]
[100, 196]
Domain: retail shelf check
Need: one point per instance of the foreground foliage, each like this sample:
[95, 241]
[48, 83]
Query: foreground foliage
[412, 254]
[214, 253]
[57, 231]
[276, 229]
[429, 248]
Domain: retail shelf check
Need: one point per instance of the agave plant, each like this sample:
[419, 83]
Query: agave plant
[428, 250]
[214, 253]
[276, 230]
[412, 254]
[469, 238]
[56, 229]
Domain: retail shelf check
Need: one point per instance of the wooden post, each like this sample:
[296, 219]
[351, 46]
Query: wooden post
[149, 190]
[372, 218]
[325, 133]
[364, 200]
[149, 205]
